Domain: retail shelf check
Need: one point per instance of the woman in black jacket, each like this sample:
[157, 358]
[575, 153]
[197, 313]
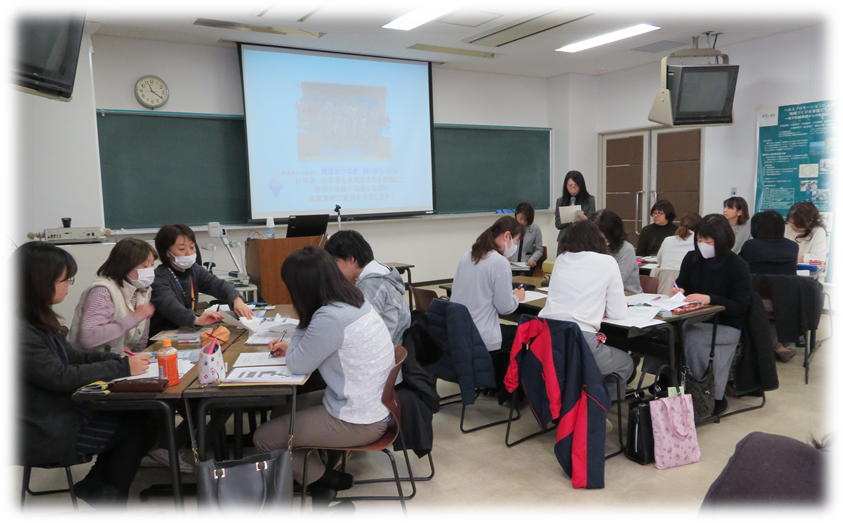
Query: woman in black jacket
[713, 274]
[574, 192]
[52, 429]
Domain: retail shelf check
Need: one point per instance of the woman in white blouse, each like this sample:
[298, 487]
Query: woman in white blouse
[808, 231]
[674, 248]
[586, 287]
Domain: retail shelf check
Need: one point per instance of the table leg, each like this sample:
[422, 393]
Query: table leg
[410, 284]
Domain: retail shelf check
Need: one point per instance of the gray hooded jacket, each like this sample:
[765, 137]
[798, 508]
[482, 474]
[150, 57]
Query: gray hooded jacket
[383, 287]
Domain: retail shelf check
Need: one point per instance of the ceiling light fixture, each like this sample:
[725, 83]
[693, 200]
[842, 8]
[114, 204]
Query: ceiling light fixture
[609, 37]
[419, 17]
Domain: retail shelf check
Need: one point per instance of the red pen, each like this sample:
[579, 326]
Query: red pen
[130, 353]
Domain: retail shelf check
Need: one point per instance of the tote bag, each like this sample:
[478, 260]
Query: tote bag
[674, 433]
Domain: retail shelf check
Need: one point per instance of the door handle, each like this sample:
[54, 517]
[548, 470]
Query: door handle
[637, 211]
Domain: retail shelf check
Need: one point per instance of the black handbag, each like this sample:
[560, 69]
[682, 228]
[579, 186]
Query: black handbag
[702, 389]
[252, 483]
[640, 446]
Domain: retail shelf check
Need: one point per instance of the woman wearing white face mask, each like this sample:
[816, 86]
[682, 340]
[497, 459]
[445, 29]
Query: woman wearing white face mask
[713, 274]
[113, 312]
[483, 283]
[179, 280]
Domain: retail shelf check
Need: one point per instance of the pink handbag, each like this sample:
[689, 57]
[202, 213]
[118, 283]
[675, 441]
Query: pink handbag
[674, 432]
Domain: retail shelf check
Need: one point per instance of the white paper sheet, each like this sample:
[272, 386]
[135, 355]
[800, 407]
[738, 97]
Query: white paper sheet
[650, 266]
[259, 359]
[570, 213]
[184, 366]
[668, 304]
[274, 374]
[533, 296]
[637, 317]
[637, 299]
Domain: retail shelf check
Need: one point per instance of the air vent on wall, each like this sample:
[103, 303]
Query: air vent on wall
[468, 18]
[501, 36]
[222, 24]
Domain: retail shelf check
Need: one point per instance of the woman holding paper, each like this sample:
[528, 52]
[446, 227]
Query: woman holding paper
[574, 192]
[53, 429]
[342, 335]
[585, 288]
[713, 274]
[179, 280]
[113, 312]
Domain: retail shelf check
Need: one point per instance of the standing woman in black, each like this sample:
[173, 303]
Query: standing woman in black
[713, 274]
[573, 193]
[53, 429]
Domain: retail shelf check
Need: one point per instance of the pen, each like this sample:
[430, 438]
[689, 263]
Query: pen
[676, 286]
[130, 353]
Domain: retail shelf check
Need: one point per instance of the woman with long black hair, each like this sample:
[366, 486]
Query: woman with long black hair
[611, 228]
[574, 192]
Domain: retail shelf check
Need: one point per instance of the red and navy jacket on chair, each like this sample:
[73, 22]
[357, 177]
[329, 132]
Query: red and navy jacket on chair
[562, 382]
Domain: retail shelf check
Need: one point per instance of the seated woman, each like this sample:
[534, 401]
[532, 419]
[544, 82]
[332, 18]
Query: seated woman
[674, 248]
[179, 280]
[611, 228]
[807, 229]
[530, 247]
[574, 192]
[652, 236]
[715, 275]
[113, 312]
[736, 210]
[53, 429]
[483, 283]
[586, 287]
[769, 252]
[341, 335]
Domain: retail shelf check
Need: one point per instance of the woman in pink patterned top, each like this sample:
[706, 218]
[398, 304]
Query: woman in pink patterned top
[113, 312]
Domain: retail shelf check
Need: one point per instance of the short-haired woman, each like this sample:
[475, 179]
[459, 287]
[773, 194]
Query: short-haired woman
[530, 247]
[340, 334]
[674, 248]
[586, 287]
[713, 274]
[113, 312]
[611, 228]
[52, 428]
[736, 210]
[179, 280]
[574, 192]
[652, 236]
[483, 283]
[807, 229]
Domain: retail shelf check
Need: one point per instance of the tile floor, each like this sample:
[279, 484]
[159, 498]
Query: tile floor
[477, 474]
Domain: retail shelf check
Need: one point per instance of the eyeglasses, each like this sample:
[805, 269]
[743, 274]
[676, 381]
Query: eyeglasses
[657, 213]
[72, 279]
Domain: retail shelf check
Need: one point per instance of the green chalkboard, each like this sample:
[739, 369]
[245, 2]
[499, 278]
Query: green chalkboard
[484, 169]
[159, 169]
[166, 168]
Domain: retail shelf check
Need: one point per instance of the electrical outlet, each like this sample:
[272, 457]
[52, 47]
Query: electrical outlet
[734, 191]
[214, 229]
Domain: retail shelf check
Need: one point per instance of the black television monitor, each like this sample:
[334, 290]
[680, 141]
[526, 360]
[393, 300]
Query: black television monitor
[307, 225]
[47, 53]
[702, 94]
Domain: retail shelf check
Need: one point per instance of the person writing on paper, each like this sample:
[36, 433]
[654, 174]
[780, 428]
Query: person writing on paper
[113, 312]
[714, 274]
[585, 288]
[611, 227]
[652, 236]
[736, 210]
[530, 248]
[179, 280]
[53, 429]
[483, 283]
[806, 228]
[382, 286]
[574, 193]
[340, 334]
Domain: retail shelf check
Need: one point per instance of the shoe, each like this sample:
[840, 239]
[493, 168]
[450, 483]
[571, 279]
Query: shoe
[785, 355]
[336, 480]
[321, 495]
[720, 406]
[161, 458]
[98, 494]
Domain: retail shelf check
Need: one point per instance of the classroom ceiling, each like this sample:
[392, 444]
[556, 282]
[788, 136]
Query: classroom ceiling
[517, 38]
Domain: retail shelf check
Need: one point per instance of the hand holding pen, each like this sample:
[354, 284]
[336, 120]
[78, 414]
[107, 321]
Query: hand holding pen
[138, 363]
[520, 293]
[278, 347]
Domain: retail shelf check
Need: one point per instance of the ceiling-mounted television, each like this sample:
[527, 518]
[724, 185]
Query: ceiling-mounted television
[47, 53]
[702, 94]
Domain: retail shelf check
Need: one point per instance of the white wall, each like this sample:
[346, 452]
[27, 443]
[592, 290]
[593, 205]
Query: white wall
[58, 168]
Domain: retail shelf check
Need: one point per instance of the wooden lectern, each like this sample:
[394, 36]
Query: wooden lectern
[263, 264]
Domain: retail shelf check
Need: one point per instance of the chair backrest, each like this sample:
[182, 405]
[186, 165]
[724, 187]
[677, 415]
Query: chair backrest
[543, 257]
[649, 284]
[389, 397]
[422, 298]
[666, 278]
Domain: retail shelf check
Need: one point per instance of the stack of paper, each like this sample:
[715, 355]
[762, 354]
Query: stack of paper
[184, 365]
[268, 329]
[176, 335]
[637, 317]
[276, 374]
[657, 300]
[259, 359]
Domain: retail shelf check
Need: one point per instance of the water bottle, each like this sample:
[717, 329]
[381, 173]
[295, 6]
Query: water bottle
[270, 228]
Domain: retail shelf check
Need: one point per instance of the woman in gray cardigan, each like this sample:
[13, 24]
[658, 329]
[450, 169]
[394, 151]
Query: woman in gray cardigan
[530, 247]
[611, 228]
[574, 193]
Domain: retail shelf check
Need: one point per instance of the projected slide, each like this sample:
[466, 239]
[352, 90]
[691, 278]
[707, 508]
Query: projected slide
[332, 129]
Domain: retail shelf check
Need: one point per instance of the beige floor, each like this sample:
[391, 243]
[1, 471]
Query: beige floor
[477, 474]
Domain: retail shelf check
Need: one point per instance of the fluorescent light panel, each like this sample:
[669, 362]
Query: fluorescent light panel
[609, 38]
[419, 17]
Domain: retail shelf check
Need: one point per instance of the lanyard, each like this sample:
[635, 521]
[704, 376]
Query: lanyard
[192, 293]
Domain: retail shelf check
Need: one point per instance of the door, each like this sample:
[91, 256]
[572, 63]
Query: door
[626, 167]
[676, 176]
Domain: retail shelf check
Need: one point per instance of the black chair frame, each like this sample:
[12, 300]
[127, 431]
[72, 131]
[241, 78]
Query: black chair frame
[462, 415]
[27, 475]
